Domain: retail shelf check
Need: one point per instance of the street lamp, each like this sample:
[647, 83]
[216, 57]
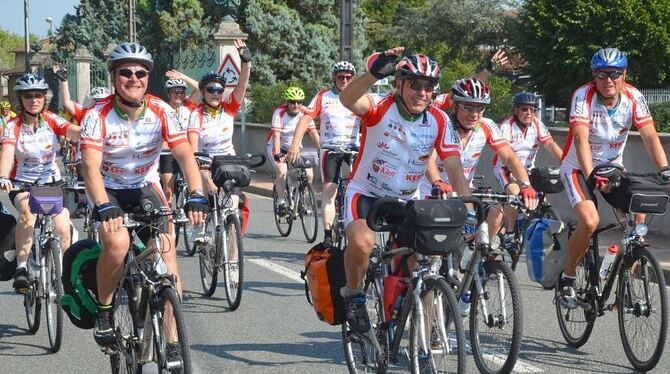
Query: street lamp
[50, 22]
[26, 34]
[229, 9]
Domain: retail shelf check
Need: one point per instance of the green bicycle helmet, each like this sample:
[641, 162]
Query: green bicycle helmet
[294, 94]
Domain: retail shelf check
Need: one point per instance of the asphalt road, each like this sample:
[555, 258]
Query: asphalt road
[276, 331]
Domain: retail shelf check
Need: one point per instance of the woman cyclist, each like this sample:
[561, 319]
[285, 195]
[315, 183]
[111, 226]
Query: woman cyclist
[30, 142]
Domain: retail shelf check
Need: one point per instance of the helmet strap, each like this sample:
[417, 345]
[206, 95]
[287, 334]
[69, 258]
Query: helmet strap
[406, 108]
[132, 104]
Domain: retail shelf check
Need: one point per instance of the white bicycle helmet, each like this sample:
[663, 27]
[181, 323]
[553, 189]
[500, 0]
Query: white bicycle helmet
[98, 93]
[175, 83]
[342, 66]
[129, 52]
[471, 90]
[31, 82]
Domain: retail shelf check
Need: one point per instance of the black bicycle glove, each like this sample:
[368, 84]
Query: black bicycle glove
[196, 203]
[245, 54]
[106, 211]
[384, 65]
[62, 74]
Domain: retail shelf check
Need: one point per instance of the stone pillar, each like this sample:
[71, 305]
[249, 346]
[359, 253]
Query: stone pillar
[224, 37]
[83, 59]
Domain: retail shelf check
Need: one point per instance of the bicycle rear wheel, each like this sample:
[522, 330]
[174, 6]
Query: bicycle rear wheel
[53, 290]
[437, 341]
[577, 324]
[172, 332]
[284, 221]
[31, 301]
[208, 255]
[124, 360]
[643, 310]
[360, 355]
[496, 320]
[308, 211]
[233, 261]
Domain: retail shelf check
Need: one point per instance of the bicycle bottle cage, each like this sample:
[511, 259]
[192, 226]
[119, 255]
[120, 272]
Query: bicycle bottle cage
[46, 200]
[546, 179]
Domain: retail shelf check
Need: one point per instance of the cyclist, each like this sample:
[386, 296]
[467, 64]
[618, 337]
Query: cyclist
[496, 63]
[284, 120]
[6, 113]
[474, 132]
[601, 115]
[524, 132]
[211, 124]
[30, 141]
[121, 141]
[399, 134]
[339, 127]
[176, 87]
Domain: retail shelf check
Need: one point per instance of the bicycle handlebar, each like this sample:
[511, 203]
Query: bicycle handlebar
[512, 200]
[204, 158]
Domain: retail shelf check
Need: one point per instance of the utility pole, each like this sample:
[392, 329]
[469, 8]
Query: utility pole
[132, 33]
[346, 30]
[26, 34]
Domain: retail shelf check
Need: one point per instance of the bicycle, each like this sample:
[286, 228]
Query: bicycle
[491, 289]
[147, 310]
[349, 155]
[76, 187]
[301, 200]
[45, 265]
[225, 251]
[180, 220]
[436, 336]
[639, 281]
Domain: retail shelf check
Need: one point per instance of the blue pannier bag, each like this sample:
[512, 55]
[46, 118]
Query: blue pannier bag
[546, 247]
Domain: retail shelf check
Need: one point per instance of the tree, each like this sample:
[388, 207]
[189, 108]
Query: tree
[558, 38]
[9, 42]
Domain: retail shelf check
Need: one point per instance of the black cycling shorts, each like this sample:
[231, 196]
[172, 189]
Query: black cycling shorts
[129, 199]
[168, 164]
[331, 162]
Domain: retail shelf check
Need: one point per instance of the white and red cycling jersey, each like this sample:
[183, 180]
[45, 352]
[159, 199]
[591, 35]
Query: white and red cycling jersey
[35, 152]
[130, 150]
[215, 127]
[395, 149]
[608, 129]
[524, 140]
[284, 123]
[184, 111]
[444, 101]
[485, 132]
[339, 127]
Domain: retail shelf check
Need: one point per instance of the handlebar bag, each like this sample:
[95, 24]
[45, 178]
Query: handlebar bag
[546, 179]
[643, 193]
[236, 172]
[324, 277]
[306, 160]
[46, 200]
[435, 227]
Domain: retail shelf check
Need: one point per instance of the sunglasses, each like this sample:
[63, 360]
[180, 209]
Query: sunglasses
[420, 84]
[614, 75]
[527, 109]
[35, 95]
[343, 78]
[295, 102]
[473, 108]
[179, 92]
[127, 73]
[215, 90]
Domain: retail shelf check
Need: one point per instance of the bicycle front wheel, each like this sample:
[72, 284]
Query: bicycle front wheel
[643, 310]
[171, 341]
[576, 324]
[124, 360]
[283, 220]
[437, 338]
[33, 306]
[496, 320]
[209, 270]
[233, 261]
[308, 212]
[53, 292]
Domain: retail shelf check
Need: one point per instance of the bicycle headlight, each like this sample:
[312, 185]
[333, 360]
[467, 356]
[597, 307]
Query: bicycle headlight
[641, 229]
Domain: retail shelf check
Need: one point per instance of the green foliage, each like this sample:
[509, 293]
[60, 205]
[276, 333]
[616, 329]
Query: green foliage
[558, 38]
[9, 42]
[265, 98]
[661, 114]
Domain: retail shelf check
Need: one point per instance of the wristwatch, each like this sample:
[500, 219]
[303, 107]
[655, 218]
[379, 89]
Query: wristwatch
[198, 192]
[524, 185]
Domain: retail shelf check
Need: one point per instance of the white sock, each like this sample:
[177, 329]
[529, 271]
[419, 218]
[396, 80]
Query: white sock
[21, 264]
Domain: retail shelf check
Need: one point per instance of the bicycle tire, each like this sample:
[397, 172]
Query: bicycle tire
[640, 311]
[283, 223]
[53, 310]
[308, 211]
[233, 284]
[577, 324]
[454, 360]
[209, 271]
[125, 329]
[510, 338]
[180, 200]
[31, 301]
[168, 297]
[360, 356]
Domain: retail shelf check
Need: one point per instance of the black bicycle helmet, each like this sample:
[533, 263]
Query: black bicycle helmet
[525, 98]
[211, 77]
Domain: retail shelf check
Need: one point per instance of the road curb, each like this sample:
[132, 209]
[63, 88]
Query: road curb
[258, 190]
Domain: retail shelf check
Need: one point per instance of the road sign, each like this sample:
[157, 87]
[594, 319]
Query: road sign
[230, 71]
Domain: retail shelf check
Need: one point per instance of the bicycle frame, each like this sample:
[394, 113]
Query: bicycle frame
[40, 239]
[293, 191]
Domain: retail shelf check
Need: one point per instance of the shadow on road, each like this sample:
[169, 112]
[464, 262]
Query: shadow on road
[8, 347]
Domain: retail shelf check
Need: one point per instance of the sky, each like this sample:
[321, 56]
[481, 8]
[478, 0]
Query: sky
[39, 10]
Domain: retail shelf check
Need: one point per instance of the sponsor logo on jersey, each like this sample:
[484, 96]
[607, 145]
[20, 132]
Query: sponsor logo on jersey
[143, 169]
[408, 191]
[372, 178]
[616, 145]
[414, 177]
[383, 145]
[623, 131]
[643, 108]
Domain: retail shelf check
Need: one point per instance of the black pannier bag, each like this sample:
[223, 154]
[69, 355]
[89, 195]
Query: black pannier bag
[434, 227]
[643, 193]
[546, 179]
[225, 168]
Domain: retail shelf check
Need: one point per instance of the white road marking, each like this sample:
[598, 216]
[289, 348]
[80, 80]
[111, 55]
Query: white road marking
[281, 270]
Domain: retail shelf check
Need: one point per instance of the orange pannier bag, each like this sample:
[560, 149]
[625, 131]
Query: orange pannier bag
[324, 277]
